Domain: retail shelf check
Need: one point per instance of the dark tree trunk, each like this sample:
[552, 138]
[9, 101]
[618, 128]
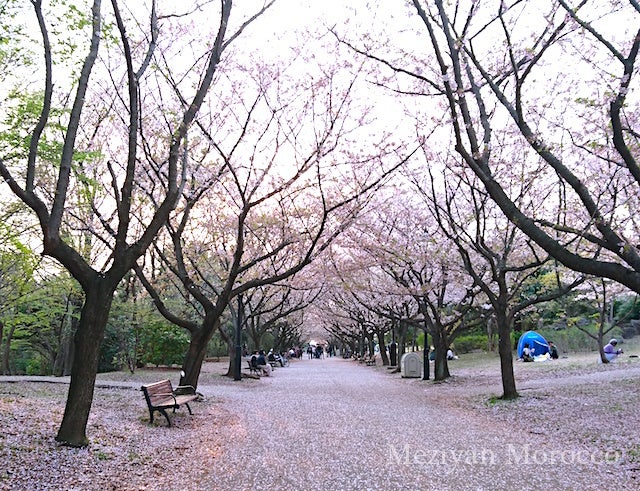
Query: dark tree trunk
[1, 335]
[600, 340]
[87, 341]
[441, 368]
[371, 345]
[506, 357]
[6, 356]
[194, 358]
[64, 359]
[197, 351]
[383, 348]
[231, 350]
[401, 346]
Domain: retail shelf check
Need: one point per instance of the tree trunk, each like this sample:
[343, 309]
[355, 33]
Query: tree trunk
[600, 339]
[231, 371]
[1, 334]
[87, 342]
[383, 348]
[441, 368]
[6, 370]
[198, 349]
[506, 357]
[194, 358]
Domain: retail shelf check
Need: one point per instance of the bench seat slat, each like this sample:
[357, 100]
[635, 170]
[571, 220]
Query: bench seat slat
[161, 395]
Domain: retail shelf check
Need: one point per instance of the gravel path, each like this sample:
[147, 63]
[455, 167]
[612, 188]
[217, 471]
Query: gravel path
[332, 424]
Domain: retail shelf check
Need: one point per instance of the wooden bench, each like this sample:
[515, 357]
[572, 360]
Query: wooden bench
[161, 396]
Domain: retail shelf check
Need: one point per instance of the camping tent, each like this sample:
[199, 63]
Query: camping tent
[535, 341]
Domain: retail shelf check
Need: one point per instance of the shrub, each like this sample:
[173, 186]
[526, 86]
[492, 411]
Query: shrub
[470, 342]
[163, 344]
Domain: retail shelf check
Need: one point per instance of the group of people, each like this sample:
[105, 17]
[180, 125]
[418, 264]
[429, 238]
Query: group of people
[317, 352]
[266, 362]
[528, 352]
[611, 351]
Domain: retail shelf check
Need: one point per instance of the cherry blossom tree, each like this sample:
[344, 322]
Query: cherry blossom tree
[603, 294]
[561, 83]
[94, 147]
[499, 259]
[281, 174]
[547, 84]
[404, 244]
[276, 310]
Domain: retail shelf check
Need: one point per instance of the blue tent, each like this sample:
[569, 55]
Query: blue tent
[535, 341]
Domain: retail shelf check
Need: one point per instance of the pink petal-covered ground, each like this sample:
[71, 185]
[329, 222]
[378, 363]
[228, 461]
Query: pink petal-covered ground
[336, 424]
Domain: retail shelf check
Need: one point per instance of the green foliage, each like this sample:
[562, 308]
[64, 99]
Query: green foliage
[162, 343]
[38, 322]
[420, 339]
[110, 351]
[542, 282]
[471, 342]
[626, 308]
[218, 347]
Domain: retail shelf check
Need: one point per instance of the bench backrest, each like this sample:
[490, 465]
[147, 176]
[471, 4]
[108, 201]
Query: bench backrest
[158, 391]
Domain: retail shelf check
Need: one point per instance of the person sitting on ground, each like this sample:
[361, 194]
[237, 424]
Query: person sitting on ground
[610, 350]
[262, 364]
[451, 355]
[527, 353]
[553, 351]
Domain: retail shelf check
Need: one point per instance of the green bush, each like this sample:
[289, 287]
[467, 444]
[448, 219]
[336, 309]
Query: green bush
[33, 367]
[162, 344]
[470, 342]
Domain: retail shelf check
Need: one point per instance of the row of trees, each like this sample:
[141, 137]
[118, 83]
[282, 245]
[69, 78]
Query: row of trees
[209, 175]
[145, 142]
[40, 319]
[536, 104]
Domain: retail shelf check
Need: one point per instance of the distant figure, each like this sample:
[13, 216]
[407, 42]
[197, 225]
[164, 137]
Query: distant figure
[553, 351]
[527, 353]
[611, 353]
[451, 355]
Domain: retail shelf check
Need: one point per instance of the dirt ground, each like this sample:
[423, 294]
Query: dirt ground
[336, 424]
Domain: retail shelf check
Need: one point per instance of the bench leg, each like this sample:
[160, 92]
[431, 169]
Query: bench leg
[188, 408]
[164, 413]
